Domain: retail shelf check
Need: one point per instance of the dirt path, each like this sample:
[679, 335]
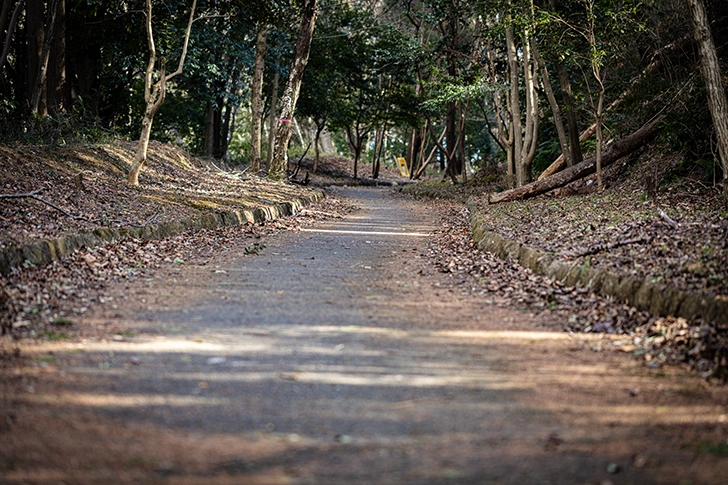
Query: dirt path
[336, 355]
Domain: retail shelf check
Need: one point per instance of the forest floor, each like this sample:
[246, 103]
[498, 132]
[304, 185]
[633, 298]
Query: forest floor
[652, 221]
[84, 299]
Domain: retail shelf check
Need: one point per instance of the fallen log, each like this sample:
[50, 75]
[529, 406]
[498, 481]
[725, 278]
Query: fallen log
[560, 163]
[611, 154]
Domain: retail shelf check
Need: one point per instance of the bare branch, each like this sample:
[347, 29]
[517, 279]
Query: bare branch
[180, 67]
[100, 221]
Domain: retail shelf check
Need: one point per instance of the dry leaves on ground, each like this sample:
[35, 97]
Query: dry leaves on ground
[658, 341]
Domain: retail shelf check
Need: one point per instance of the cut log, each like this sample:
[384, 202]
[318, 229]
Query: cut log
[613, 153]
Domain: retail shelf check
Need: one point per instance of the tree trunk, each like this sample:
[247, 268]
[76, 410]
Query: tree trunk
[154, 93]
[600, 138]
[58, 89]
[40, 26]
[613, 153]
[272, 121]
[256, 99]
[316, 148]
[225, 124]
[515, 104]
[713, 82]
[277, 170]
[11, 28]
[555, 109]
[570, 108]
[209, 142]
[560, 163]
[530, 141]
[453, 168]
[378, 144]
[4, 13]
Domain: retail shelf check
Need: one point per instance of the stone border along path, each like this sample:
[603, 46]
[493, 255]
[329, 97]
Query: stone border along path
[45, 251]
[656, 298]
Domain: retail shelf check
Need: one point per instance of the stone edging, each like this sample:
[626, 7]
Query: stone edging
[656, 298]
[45, 251]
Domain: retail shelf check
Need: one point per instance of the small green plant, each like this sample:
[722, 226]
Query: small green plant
[721, 449]
[54, 336]
[46, 358]
[62, 322]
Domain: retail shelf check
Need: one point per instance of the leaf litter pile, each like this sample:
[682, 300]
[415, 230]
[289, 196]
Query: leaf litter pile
[658, 340]
[87, 186]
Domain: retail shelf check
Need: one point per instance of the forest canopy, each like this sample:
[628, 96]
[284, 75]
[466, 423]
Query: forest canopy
[451, 85]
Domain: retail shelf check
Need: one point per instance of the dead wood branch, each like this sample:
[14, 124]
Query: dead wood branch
[102, 221]
[670, 221]
[612, 153]
[598, 248]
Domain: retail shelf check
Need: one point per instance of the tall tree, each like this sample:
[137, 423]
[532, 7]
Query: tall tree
[256, 99]
[155, 91]
[278, 165]
[47, 56]
[714, 83]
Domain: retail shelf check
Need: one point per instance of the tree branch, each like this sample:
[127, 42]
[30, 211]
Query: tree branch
[101, 221]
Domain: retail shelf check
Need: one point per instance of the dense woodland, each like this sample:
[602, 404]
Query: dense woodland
[452, 85]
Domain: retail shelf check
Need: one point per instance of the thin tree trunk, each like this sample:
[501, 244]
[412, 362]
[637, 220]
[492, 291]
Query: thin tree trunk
[570, 109]
[209, 142]
[272, 121]
[714, 83]
[423, 166]
[256, 99]
[226, 120]
[505, 130]
[316, 148]
[154, 93]
[10, 30]
[600, 138]
[515, 104]
[530, 70]
[4, 12]
[555, 109]
[277, 170]
[38, 94]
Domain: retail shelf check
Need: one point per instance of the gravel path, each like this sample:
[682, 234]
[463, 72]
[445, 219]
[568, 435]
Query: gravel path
[337, 355]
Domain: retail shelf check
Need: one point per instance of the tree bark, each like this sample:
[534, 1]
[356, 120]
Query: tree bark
[613, 153]
[58, 89]
[41, 26]
[4, 12]
[570, 108]
[530, 141]
[10, 30]
[272, 121]
[277, 169]
[515, 105]
[154, 93]
[560, 163]
[713, 82]
[555, 109]
[208, 146]
[256, 99]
